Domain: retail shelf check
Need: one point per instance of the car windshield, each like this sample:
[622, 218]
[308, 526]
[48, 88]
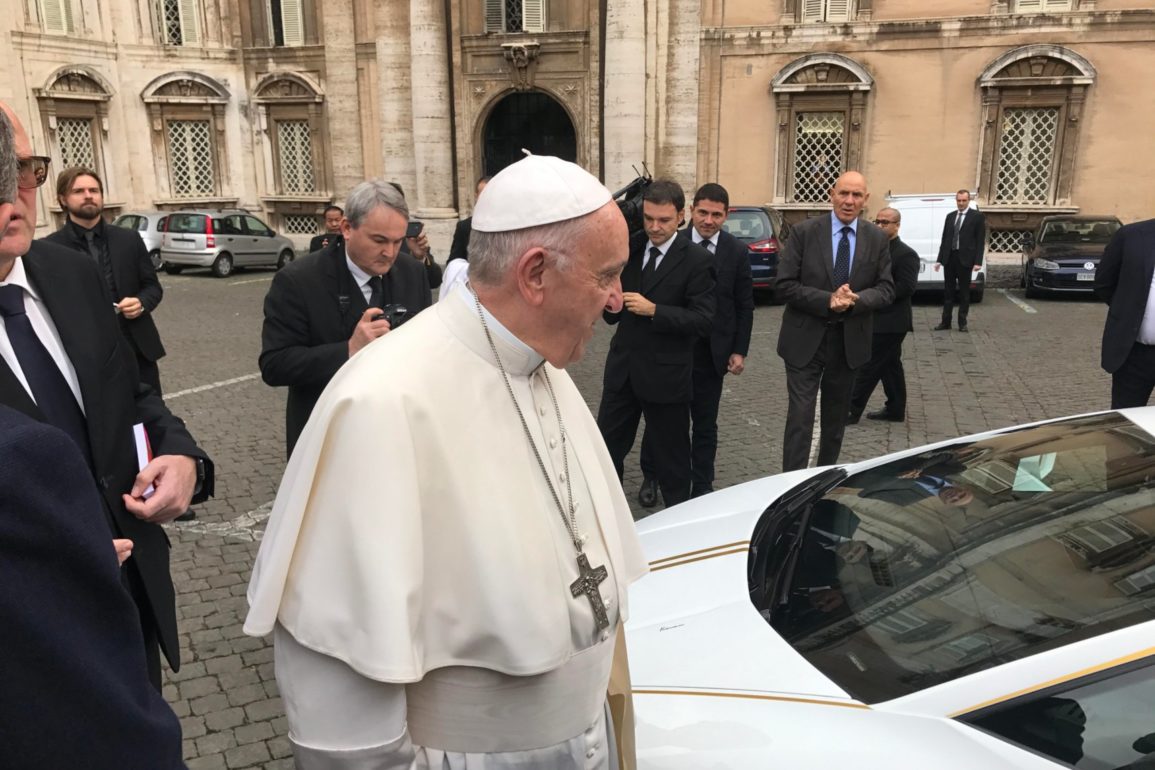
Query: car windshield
[1083, 231]
[955, 560]
[186, 223]
[748, 226]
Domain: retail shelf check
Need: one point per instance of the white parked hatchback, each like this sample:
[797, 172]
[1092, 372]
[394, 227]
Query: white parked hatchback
[985, 602]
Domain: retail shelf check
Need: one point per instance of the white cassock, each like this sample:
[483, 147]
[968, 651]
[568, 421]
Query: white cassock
[457, 271]
[416, 571]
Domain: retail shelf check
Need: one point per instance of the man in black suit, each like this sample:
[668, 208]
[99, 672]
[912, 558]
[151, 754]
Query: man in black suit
[322, 309]
[724, 351]
[668, 293]
[122, 259]
[460, 247]
[891, 323]
[834, 273]
[333, 217]
[1123, 281]
[964, 238]
[76, 690]
[66, 363]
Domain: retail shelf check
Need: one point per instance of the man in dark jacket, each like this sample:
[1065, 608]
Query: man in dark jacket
[123, 261]
[891, 324]
[1123, 281]
[333, 217]
[964, 239]
[322, 309]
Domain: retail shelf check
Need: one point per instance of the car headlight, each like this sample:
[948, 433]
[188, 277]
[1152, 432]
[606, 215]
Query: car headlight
[1046, 264]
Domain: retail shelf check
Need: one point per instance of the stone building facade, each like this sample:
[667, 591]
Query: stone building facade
[280, 106]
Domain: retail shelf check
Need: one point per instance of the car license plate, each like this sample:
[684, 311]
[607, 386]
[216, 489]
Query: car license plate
[1086, 277]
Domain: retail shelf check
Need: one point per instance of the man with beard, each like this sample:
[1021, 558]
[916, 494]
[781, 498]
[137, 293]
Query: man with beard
[122, 259]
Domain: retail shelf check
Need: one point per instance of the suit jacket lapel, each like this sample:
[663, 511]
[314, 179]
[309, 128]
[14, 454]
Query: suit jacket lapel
[351, 302]
[826, 248]
[860, 252]
[676, 254]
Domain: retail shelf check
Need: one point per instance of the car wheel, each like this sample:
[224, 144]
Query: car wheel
[286, 257]
[223, 266]
[1032, 292]
[173, 269]
[157, 262]
[977, 296]
[1023, 280]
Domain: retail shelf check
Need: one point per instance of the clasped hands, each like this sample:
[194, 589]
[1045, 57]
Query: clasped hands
[842, 299]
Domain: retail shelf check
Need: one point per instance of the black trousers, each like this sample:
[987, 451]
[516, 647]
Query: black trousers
[957, 279]
[618, 417]
[1132, 383]
[703, 430]
[829, 373]
[885, 366]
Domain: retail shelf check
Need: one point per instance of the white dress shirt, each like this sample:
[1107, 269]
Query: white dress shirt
[698, 239]
[1147, 328]
[45, 329]
[361, 277]
[665, 247]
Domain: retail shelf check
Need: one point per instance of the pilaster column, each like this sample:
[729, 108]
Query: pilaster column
[432, 134]
[624, 132]
[342, 95]
[678, 140]
[393, 84]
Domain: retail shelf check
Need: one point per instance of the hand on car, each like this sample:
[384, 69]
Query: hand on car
[371, 326]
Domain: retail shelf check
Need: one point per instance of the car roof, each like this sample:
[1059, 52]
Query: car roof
[1080, 218]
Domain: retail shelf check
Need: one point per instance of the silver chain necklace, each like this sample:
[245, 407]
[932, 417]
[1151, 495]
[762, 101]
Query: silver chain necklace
[589, 577]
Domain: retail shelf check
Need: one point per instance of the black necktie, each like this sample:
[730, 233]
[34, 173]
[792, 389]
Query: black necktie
[651, 266]
[50, 390]
[842, 263]
[376, 295]
[97, 255]
[709, 246]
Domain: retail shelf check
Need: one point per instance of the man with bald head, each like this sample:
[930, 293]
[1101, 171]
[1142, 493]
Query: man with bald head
[445, 569]
[891, 325]
[834, 273]
[63, 361]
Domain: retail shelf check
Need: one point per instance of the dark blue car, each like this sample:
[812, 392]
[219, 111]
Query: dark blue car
[1063, 254]
[763, 230]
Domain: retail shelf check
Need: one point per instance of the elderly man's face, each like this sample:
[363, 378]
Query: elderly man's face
[591, 283]
[374, 244]
[19, 220]
[849, 196]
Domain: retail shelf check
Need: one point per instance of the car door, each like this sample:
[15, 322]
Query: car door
[234, 240]
[261, 241]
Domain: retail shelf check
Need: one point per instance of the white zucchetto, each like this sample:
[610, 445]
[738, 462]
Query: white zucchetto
[537, 190]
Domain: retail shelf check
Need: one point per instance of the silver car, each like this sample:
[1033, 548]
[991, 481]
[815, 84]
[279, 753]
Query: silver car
[221, 241]
[150, 225]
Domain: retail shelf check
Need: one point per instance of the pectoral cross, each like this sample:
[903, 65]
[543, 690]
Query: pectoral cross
[587, 583]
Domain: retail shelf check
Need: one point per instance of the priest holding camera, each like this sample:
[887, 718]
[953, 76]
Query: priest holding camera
[324, 308]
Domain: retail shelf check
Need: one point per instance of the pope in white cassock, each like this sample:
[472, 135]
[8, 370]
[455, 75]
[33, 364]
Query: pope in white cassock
[446, 566]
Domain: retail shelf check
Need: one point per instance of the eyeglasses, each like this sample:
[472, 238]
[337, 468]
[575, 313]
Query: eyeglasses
[886, 222]
[33, 171]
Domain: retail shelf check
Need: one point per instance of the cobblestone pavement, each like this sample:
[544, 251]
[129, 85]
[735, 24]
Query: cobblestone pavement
[1020, 362]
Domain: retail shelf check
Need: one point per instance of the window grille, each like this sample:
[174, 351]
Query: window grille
[515, 15]
[56, 15]
[190, 158]
[1026, 155]
[75, 138]
[825, 10]
[1006, 241]
[817, 154]
[180, 22]
[299, 224]
[295, 148]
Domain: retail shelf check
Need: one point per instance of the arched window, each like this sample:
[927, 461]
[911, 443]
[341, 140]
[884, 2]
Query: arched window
[187, 116]
[296, 166]
[821, 103]
[1032, 102]
[74, 108]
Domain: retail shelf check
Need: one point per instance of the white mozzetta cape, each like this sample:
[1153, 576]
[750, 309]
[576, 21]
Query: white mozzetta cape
[410, 532]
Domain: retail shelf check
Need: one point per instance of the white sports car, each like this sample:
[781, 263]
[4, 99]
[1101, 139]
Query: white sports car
[985, 602]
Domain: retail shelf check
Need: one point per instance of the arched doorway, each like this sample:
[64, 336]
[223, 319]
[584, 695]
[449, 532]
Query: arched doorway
[530, 120]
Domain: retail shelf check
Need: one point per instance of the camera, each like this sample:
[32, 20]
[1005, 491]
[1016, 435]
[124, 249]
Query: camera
[414, 229]
[395, 314]
[629, 200]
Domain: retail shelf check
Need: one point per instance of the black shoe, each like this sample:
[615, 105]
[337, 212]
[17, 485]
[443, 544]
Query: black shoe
[853, 417]
[648, 494]
[189, 515]
[962, 327]
[883, 414]
[942, 328]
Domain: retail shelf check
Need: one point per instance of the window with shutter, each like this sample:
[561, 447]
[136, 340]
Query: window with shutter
[838, 10]
[494, 16]
[189, 24]
[1028, 6]
[813, 10]
[1058, 5]
[287, 22]
[56, 16]
[533, 16]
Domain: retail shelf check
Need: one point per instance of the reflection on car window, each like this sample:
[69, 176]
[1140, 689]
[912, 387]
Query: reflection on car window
[748, 226]
[1101, 724]
[1079, 231]
[958, 559]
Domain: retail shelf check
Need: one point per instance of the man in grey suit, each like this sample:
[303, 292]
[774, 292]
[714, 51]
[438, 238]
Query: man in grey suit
[834, 273]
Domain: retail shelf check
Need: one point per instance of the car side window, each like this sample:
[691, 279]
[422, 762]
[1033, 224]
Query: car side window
[127, 221]
[162, 224]
[231, 225]
[1102, 721]
[257, 227]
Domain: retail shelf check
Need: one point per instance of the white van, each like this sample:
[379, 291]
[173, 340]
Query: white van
[922, 222]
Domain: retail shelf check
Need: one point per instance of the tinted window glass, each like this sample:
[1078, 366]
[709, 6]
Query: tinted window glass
[1099, 724]
[959, 559]
[230, 225]
[1082, 231]
[127, 221]
[748, 226]
[187, 223]
[161, 224]
[257, 227]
